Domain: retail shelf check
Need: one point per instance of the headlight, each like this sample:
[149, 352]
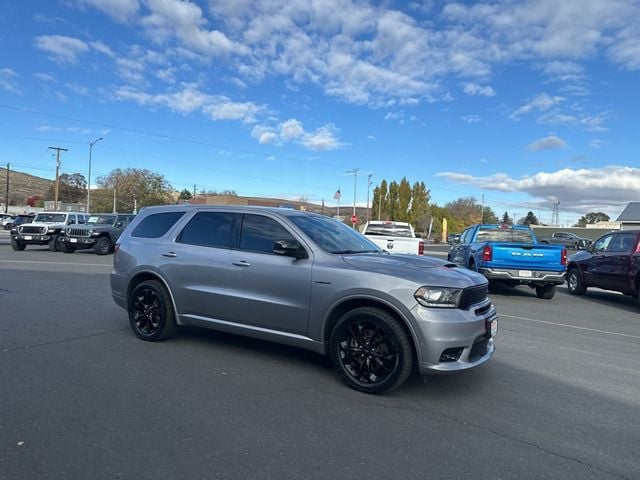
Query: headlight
[51, 230]
[442, 297]
[93, 232]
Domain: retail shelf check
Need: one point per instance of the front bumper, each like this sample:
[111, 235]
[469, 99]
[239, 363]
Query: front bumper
[453, 339]
[32, 238]
[78, 241]
[523, 276]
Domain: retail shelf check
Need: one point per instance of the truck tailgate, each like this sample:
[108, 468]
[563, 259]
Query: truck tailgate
[529, 257]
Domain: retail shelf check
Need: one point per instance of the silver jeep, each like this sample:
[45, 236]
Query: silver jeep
[306, 280]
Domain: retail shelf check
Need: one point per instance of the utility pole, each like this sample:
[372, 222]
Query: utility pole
[6, 198]
[482, 210]
[89, 180]
[58, 150]
[354, 172]
[368, 189]
[194, 191]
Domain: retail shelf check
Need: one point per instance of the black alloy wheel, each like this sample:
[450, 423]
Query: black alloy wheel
[371, 350]
[574, 282]
[151, 313]
[102, 246]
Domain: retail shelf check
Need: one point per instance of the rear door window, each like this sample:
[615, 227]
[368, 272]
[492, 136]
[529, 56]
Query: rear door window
[210, 229]
[156, 225]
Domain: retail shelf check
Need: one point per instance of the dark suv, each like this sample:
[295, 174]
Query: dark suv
[611, 263]
[100, 232]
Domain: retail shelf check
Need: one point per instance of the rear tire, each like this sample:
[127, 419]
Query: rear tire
[371, 350]
[151, 313]
[102, 246]
[17, 245]
[546, 291]
[574, 282]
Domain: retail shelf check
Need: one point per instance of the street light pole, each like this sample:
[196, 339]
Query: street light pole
[354, 172]
[89, 180]
[368, 190]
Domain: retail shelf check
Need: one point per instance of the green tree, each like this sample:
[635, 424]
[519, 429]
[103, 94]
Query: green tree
[419, 210]
[463, 212]
[530, 219]
[185, 194]
[593, 217]
[506, 219]
[404, 201]
[132, 187]
[393, 201]
[72, 188]
[379, 205]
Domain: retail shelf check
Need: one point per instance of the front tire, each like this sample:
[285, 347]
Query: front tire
[102, 246]
[546, 291]
[54, 244]
[17, 245]
[371, 350]
[66, 248]
[574, 282]
[151, 312]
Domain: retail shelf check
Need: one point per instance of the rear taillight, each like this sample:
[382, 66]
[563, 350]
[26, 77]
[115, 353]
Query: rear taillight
[638, 247]
[563, 257]
[487, 253]
[421, 247]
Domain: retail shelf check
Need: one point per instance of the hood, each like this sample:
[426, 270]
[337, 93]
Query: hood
[421, 269]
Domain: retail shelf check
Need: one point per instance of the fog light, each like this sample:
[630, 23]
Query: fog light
[451, 354]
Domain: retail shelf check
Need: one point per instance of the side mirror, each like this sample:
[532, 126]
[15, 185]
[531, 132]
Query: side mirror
[71, 222]
[418, 235]
[118, 224]
[289, 248]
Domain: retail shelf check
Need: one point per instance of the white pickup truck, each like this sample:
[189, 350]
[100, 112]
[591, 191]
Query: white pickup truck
[394, 237]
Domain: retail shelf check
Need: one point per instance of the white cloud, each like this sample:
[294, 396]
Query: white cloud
[9, 81]
[578, 190]
[224, 109]
[541, 103]
[551, 142]
[475, 89]
[264, 135]
[291, 130]
[60, 48]
[595, 143]
[323, 138]
[44, 77]
[471, 119]
[119, 10]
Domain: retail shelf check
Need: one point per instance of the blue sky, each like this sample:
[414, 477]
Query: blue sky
[526, 103]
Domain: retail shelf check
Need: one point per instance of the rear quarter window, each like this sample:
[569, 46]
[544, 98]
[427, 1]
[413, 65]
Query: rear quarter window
[156, 225]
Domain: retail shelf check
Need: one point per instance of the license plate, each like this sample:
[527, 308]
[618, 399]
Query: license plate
[73, 240]
[28, 237]
[492, 327]
[525, 273]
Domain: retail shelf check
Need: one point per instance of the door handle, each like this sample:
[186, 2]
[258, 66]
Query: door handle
[242, 263]
[170, 254]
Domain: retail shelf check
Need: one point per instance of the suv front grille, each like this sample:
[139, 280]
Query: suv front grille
[473, 295]
[30, 229]
[78, 232]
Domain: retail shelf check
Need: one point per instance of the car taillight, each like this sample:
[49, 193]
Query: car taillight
[421, 247]
[487, 253]
[563, 257]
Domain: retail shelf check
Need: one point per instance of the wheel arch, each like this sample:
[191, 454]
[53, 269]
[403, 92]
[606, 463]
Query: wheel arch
[350, 304]
[143, 276]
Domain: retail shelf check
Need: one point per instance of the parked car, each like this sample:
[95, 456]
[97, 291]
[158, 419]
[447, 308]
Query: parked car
[6, 221]
[19, 220]
[394, 237]
[512, 256]
[306, 280]
[44, 229]
[568, 239]
[100, 232]
[612, 263]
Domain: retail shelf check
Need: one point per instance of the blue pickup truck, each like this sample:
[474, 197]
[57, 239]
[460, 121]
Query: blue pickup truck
[511, 255]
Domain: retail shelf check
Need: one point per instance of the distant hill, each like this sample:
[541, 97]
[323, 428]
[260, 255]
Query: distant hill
[22, 186]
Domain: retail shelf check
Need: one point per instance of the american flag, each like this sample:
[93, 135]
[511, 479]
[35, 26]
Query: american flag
[337, 195]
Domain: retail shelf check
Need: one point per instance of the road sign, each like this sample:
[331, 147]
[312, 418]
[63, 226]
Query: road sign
[354, 219]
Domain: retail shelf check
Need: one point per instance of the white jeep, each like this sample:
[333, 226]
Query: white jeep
[45, 229]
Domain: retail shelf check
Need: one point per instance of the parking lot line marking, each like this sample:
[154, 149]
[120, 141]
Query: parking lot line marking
[571, 326]
[58, 263]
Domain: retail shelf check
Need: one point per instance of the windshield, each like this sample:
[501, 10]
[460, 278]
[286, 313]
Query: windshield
[504, 235]
[101, 220]
[333, 236]
[51, 218]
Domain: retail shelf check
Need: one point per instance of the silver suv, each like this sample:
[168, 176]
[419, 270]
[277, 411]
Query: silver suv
[306, 280]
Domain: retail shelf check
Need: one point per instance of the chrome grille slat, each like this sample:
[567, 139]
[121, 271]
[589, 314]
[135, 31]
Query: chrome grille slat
[78, 232]
[30, 229]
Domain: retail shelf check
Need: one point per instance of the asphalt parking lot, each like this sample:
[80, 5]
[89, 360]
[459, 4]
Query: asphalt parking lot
[83, 398]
